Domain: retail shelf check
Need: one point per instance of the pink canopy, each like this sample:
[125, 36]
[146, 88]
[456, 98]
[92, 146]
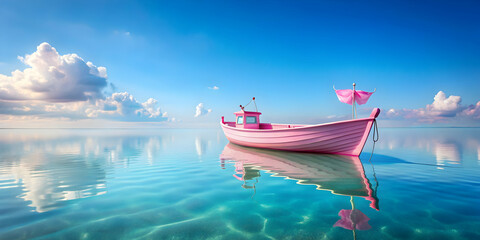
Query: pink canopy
[346, 96]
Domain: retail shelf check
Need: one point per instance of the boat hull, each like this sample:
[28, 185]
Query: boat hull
[343, 137]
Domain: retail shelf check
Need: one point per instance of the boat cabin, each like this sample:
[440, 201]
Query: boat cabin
[249, 120]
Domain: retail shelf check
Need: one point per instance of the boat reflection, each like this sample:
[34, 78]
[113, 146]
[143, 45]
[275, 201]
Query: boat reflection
[342, 175]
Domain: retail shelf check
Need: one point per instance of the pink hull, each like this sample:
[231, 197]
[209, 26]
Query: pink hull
[344, 137]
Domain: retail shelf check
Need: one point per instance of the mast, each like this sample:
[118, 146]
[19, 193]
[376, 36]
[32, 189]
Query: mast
[354, 108]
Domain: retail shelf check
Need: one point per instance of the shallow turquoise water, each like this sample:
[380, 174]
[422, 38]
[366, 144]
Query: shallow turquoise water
[190, 184]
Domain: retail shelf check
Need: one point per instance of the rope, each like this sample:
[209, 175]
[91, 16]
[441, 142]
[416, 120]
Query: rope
[375, 131]
[375, 139]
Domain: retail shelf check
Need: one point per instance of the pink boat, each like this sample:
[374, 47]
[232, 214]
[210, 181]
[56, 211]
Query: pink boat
[343, 137]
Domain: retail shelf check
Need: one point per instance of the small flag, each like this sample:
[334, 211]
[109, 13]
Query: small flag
[346, 96]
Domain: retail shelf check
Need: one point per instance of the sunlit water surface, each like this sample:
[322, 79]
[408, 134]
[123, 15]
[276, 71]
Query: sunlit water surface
[192, 184]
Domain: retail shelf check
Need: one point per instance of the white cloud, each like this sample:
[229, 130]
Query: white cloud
[473, 111]
[65, 86]
[214, 88]
[122, 33]
[54, 78]
[443, 106]
[201, 110]
[442, 109]
[123, 106]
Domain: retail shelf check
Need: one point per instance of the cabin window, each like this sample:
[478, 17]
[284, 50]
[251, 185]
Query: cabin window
[240, 120]
[251, 120]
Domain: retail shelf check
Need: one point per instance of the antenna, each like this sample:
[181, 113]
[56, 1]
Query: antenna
[253, 99]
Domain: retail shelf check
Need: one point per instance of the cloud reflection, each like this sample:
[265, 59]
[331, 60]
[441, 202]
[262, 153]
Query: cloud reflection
[478, 153]
[59, 168]
[200, 146]
[447, 153]
[66, 180]
[448, 146]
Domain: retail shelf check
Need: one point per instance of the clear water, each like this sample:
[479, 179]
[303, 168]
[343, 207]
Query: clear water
[174, 184]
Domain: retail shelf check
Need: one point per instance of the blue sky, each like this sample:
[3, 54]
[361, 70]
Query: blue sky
[287, 54]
